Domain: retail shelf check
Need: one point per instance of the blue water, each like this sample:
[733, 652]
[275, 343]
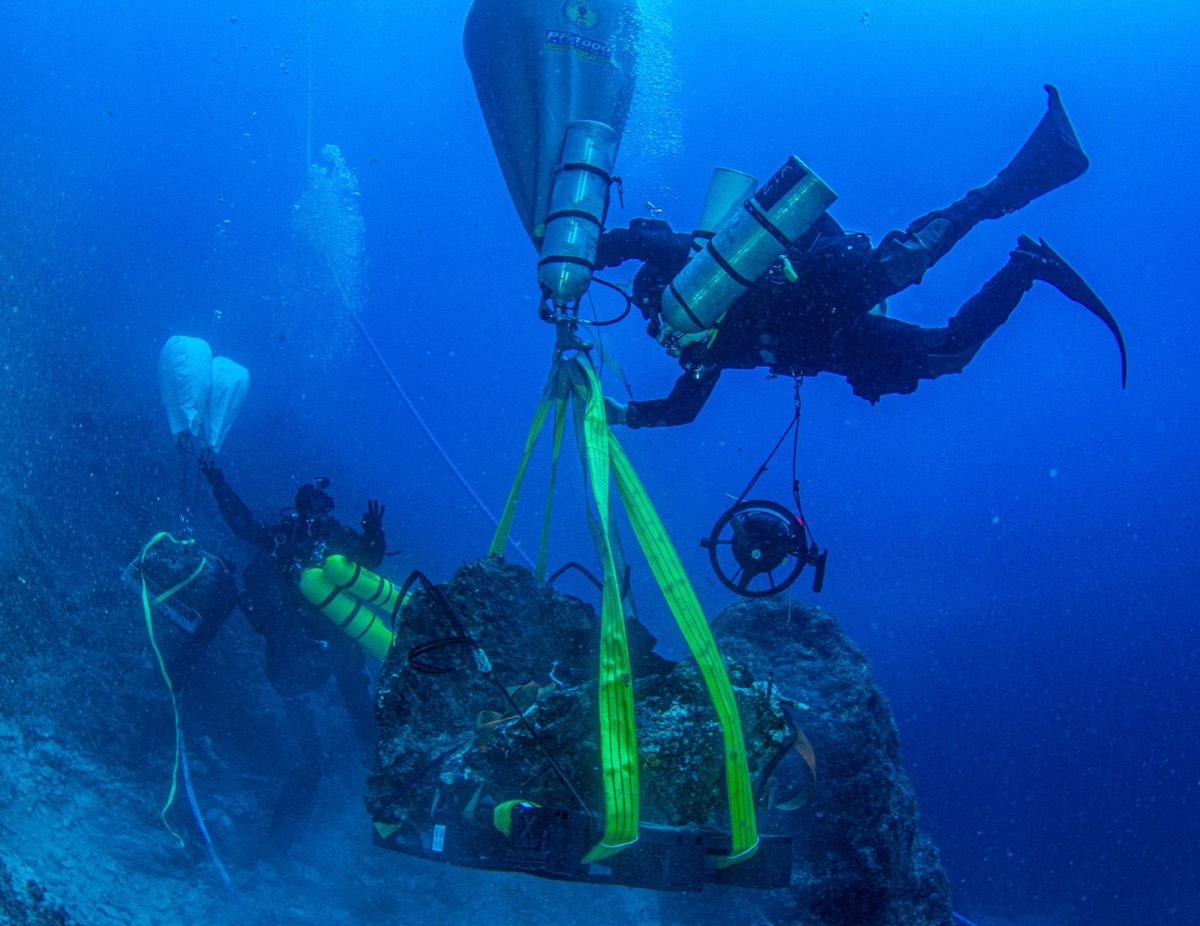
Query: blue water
[1013, 548]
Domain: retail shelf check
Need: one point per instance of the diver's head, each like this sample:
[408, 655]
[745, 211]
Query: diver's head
[312, 502]
[648, 286]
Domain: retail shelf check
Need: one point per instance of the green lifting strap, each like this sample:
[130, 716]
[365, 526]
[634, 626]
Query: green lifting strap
[148, 604]
[504, 526]
[618, 733]
[560, 426]
[604, 461]
[689, 616]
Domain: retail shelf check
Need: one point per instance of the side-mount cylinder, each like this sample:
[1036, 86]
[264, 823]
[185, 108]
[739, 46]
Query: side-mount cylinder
[578, 203]
[744, 247]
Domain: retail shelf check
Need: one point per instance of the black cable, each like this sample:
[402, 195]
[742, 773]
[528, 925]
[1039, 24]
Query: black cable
[794, 423]
[572, 314]
[612, 321]
[462, 639]
[189, 481]
[795, 467]
[573, 565]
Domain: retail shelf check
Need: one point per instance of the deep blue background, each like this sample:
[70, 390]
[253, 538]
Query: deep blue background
[1013, 548]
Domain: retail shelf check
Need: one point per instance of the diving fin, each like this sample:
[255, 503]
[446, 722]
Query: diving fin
[1049, 267]
[1050, 158]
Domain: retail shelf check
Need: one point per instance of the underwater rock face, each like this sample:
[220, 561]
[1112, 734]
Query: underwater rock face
[23, 901]
[452, 740]
[447, 730]
[862, 858]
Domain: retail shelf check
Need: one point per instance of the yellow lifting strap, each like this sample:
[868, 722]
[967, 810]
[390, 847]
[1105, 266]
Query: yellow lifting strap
[148, 604]
[604, 461]
[502, 814]
[504, 527]
[346, 593]
[618, 733]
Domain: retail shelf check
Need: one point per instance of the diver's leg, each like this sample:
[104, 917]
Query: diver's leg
[950, 348]
[298, 796]
[1050, 157]
[354, 683]
[880, 355]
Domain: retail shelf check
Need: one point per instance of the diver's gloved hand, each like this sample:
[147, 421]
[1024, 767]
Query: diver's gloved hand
[648, 240]
[211, 472]
[614, 411]
[372, 519]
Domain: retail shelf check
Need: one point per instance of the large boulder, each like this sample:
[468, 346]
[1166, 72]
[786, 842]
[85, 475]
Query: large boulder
[862, 857]
[452, 738]
[24, 902]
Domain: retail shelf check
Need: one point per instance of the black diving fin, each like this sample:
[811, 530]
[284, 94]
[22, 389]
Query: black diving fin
[1050, 158]
[1051, 268]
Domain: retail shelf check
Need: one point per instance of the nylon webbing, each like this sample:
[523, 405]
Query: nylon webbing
[618, 734]
[604, 462]
[685, 608]
[147, 611]
[560, 426]
[504, 526]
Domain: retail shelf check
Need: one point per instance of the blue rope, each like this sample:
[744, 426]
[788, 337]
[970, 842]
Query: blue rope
[198, 817]
[961, 920]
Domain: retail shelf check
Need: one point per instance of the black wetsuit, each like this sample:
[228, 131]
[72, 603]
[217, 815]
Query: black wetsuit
[828, 320]
[304, 649]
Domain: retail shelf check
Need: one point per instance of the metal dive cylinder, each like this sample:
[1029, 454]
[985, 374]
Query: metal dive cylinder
[578, 202]
[744, 247]
[727, 191]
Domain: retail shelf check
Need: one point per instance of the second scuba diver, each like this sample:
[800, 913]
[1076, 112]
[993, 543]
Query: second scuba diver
[820, 309]
[304, 649]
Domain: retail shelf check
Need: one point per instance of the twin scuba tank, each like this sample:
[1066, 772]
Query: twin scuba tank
[737, 239]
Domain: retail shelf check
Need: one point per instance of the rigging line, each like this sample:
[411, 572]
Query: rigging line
[198, 816]
[308, 126]
[429, 434]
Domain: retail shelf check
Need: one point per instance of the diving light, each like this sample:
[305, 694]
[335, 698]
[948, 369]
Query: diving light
[578, 203]
[744, 247]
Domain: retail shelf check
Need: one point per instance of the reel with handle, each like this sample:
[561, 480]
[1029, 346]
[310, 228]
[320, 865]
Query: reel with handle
[759, 548]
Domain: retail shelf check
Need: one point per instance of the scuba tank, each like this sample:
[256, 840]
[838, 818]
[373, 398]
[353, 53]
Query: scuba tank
[578, 203]
[355, 599]
[727, 190]
[744, 247]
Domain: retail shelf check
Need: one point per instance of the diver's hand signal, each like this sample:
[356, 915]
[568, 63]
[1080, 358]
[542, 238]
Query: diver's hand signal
[372, 519]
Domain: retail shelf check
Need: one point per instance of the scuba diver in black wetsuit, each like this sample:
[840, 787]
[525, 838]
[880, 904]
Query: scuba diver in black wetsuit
[819, 308]
[303, 647]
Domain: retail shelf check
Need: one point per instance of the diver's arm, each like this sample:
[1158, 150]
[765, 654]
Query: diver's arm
[649, 240]
[687, 397]
[370, 549]
[241, 519]
[371, 539]
[365, 549]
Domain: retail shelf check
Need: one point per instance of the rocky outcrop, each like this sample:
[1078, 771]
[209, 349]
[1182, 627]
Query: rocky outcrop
[452, 739]
[23, 901]
[863, 858]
